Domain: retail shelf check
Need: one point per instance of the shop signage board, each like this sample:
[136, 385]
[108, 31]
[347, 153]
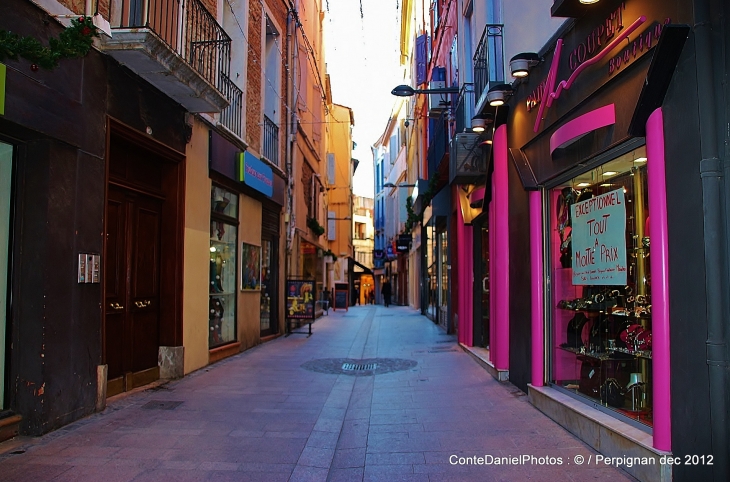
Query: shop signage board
[342, 291]
[299, 303]
[254, 173]
[599, 240]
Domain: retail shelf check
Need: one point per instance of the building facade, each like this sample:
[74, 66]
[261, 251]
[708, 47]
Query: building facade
[175, 157]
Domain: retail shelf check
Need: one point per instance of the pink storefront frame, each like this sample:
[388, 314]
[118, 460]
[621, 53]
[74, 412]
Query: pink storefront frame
[656, 180]
[499, 293]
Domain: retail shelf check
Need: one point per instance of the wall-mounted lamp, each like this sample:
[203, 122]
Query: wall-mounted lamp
[480, 122]
[521, 64]
[407, 91]
[498, 94]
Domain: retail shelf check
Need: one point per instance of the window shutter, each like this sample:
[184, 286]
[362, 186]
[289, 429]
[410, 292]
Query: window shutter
[421, 59]
[330, 168]
[331, 226]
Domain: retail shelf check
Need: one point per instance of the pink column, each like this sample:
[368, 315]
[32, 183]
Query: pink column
[492, 285]
[660, 280]
[464, 260]
[536, 289]
[501, 255]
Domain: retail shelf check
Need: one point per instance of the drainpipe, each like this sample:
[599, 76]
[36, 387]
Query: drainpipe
[711, 172]
[291, 133]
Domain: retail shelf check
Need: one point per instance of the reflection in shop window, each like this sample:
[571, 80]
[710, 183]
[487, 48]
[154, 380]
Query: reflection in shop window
[599, 258]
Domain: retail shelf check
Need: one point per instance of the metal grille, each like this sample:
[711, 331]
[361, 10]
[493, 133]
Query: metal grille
[231, 116]
[488, 59]
[271, 141]
[186, 26]
[359, 367]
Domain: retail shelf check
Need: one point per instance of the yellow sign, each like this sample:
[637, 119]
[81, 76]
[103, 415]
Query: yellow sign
[3, 70]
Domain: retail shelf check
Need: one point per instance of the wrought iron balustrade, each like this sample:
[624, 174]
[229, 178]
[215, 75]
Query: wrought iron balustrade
[489, 59]
[186, 27]
[271, 141]
[231, 116]
[465, 107]
[438, 146]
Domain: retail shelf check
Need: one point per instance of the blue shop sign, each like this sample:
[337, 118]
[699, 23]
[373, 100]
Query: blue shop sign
[254, 173]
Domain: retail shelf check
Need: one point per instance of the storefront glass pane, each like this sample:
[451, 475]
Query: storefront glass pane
[222, 288]
[6, 172]
[599, 258]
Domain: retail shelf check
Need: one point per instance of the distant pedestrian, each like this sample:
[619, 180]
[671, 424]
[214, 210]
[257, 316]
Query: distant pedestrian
[357, 296]
[386, 291]
[371, 297]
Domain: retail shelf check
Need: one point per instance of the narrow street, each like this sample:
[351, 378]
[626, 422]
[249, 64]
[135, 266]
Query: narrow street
[287, 411]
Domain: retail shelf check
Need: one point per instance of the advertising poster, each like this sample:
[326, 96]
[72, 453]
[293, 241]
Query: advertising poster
[250, 267]
[599, 240]
[300, 299]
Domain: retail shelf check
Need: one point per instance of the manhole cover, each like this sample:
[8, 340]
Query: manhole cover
[358, 368]
[161, 405]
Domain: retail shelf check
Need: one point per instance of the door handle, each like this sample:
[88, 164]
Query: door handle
[143, 304]
[116, 306]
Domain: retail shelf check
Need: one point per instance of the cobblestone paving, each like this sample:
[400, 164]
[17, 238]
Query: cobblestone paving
[427, 412]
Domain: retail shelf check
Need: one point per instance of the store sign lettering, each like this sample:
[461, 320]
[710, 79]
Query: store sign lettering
[601, 34]
[566, 84]
[637, 48]
[254, 173]
[598, 239]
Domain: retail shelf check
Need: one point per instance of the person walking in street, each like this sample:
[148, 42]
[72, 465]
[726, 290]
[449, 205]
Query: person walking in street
[386, 291]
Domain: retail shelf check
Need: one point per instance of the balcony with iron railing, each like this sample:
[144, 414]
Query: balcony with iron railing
[231, 116]
[271, 141]
[438, 146]
[464, 107]
[488, 60]
[176, 45]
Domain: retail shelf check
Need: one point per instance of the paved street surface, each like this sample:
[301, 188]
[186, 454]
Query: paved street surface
[409, 403]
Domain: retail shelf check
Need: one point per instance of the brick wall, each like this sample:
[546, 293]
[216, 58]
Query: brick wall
[253, 84]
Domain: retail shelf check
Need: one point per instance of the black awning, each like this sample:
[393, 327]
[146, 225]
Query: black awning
[364, 268]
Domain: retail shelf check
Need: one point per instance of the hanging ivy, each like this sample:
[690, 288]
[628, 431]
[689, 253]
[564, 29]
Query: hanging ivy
[75, 41]
[314, 225]
[428, 195]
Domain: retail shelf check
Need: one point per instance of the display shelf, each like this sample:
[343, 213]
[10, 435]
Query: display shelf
[646, 354]
[624, 353]
[224, 293]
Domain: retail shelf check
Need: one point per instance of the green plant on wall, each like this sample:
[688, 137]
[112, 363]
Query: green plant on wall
[330, 253]
[314, 225]
[428, 195]
[75, 41]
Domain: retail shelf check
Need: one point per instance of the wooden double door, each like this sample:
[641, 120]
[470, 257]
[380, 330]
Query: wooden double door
[132, 275]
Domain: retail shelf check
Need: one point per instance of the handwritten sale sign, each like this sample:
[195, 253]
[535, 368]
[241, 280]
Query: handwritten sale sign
[599, 240]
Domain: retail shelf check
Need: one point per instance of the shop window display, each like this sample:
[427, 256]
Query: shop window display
[601, 287]
[222, 287]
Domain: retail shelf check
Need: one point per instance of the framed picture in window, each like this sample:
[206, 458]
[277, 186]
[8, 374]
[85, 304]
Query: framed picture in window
[250, 267]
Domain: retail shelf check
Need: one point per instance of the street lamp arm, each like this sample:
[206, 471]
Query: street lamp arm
[407, 91]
